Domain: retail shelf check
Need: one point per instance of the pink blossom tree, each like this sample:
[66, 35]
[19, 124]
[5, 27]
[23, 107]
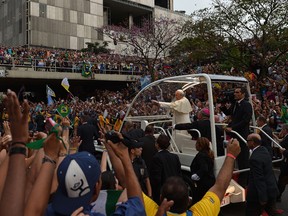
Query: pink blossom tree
[148, 44]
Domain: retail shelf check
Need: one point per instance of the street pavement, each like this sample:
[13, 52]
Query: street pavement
[238, 209]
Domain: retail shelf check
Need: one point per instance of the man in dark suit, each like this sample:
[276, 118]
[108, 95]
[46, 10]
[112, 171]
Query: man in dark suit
[88, 134]
[164, 164]
[204, 127]
[265, 141]
[283, 177]
[241, 114]
[262, 185]
[148, 148]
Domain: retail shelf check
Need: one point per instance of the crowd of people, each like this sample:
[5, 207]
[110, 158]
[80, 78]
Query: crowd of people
[52, 164]
[47, 174]
[66, 60]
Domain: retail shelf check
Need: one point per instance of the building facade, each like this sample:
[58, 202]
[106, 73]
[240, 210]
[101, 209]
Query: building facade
[70, 24]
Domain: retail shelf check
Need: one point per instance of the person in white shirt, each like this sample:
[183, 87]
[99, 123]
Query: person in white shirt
[181, 107]
[181, 113]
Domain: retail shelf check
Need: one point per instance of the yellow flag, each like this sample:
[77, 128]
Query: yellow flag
[65, 84]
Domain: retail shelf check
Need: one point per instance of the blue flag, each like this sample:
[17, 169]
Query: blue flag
[50, 100]
[145, 81]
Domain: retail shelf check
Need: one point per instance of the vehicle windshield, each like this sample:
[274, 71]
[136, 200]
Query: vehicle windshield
[195, 91]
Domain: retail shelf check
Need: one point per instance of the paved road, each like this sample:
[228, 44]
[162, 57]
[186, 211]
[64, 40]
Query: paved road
[238, 209]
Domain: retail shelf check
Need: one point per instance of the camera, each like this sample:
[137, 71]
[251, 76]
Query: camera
[111, 135]
[225, 143]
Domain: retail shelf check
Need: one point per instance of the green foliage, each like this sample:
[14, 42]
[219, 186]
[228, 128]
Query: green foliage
[242, 33]
[96, 47]
[148, 43]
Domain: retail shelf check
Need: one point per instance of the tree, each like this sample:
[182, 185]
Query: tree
[149, 43]
[96, 48]
[251, 33]
[203, 44]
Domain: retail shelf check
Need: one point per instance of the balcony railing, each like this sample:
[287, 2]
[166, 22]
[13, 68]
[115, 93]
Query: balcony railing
[68, 66]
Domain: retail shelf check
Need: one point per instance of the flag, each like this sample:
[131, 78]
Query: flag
[63, 110]
[65, 84]
[50, 92]
[86, 70]
[50, 101]
[106, 201]
[145, 81]
[105, 114]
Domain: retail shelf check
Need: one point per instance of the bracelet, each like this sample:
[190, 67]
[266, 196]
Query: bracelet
[231, 156]
[17, 150]
[73, 149]
[65, 127]
[18, 142]
[62, 154]
[48, 159]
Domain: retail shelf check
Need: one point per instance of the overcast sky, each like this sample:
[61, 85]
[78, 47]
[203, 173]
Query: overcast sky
[191, 5]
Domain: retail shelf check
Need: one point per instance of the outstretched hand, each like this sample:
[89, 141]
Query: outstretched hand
[164, 207]
[155, 102]
[119, 149]
[75, 142]
[65, 122]
[18, 119]
[53, 146]
[233, 147]
[6, 127]
[78, 212]
[6, 141]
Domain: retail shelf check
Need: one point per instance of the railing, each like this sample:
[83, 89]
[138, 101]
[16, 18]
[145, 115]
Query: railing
[272, 140]
[66, 66]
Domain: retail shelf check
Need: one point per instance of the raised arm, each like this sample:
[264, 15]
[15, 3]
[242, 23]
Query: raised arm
[3, 173]
[132, 184]
[42, 186]
[65, 133]
[116, 163]
[225, 174]
[12, 202]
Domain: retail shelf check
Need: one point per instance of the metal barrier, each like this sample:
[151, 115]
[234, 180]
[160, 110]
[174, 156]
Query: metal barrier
[174, 147]
[274, 142]
[13, 63]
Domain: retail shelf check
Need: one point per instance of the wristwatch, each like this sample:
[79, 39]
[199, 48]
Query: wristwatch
[17, 150]
[47, 159]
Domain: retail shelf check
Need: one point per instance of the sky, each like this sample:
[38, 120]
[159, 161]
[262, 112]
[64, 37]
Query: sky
[191, 5]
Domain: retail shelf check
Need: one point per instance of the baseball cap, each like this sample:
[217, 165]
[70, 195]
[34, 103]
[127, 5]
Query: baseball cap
[132, 139]
[135, 144]
[77, 176]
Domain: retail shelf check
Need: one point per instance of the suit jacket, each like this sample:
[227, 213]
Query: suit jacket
[241, 115]
[87, 133]
[203, 166]
[266, 142]
[164, 164]
[284, 163]
[204, 128]
[148, 149]
[262, 185]
[202, 125]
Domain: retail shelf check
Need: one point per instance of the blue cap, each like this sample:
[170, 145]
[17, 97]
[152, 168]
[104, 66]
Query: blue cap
[77, 176]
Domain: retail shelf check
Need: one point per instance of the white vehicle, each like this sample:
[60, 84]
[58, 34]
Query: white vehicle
[209, 88]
